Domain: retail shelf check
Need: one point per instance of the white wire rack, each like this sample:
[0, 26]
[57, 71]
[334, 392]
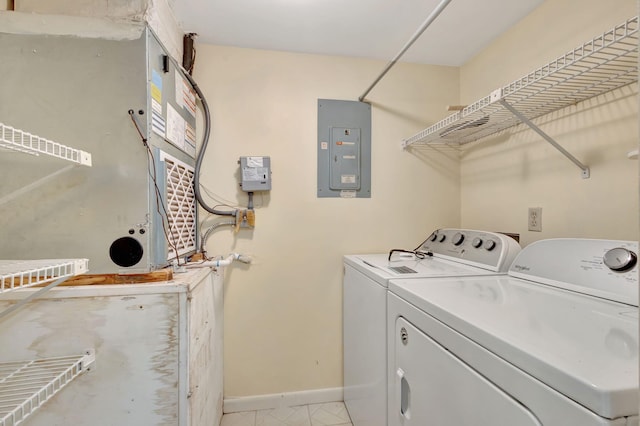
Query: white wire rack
[16, 274]
[607, 62]
[17, 140]
[27, 385]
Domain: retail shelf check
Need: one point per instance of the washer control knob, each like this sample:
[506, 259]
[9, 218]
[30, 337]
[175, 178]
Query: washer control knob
[489, 245]
[458, 238]
[620, 259]
[433, 237]
[477, 242]
[442, 238]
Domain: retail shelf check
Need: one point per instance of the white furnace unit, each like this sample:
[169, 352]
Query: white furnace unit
[127, 104]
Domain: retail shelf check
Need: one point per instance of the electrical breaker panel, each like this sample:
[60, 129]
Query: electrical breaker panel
[256, 173]
[344, 169]
[344, 149]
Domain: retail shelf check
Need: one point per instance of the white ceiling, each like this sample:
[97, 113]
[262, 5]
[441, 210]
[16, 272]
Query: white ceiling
[360, 28]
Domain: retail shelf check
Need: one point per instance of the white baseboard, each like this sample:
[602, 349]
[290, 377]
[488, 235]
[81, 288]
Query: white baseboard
[279, 400]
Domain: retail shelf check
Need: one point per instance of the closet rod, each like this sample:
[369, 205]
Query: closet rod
[432, 17]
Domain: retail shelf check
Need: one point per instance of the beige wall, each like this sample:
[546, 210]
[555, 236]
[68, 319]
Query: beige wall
[283, 314]
[503, 176]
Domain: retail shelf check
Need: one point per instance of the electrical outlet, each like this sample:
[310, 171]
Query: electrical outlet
[535, 219]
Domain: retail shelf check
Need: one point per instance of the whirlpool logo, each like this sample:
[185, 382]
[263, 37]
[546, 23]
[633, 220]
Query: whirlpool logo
[521, 268]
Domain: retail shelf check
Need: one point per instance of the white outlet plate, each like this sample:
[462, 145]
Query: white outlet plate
[535, 219]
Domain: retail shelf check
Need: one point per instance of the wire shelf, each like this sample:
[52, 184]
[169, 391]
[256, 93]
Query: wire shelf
[607, 62]
[17, 140]
[27, 385]
[16, 274]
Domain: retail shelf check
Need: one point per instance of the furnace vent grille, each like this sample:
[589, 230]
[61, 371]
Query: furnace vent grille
[180, 207]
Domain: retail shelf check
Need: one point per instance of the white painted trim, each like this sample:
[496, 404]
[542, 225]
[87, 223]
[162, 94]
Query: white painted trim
[279, 400]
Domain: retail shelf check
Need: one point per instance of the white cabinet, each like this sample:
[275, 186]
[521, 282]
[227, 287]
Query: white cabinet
[158, 350]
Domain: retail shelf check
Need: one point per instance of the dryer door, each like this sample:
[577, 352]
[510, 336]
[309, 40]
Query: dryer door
[434, 387]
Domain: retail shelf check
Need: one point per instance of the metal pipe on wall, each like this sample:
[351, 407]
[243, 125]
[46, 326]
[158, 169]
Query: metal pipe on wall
[432, 17]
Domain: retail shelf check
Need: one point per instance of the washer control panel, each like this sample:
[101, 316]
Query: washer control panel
[485, 249]
[602, 268]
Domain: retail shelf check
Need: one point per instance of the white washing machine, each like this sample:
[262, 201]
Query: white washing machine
[553, 343]
[446, 253]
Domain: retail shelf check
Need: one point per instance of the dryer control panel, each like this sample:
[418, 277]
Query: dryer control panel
[487, 250]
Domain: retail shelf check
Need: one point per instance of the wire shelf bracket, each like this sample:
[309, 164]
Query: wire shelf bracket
[27, 385]
[586, 173]
[605, 63]
[20, 141]
[17, 274]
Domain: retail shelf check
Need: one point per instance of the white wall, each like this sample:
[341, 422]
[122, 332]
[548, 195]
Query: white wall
[504, 175]
[283, 320]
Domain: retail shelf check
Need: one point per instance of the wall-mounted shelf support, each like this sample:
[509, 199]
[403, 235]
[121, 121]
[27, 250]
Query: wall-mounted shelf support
[34, 185]
[32, 296]
[556, 145]
[17, 274]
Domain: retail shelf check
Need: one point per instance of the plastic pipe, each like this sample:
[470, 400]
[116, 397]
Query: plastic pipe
[221, 262]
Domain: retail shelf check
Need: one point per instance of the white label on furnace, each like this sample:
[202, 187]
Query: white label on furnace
[348, 179]
[324, 145]
[347, 193]
[176, 127]
[348, 157]
[254, 162]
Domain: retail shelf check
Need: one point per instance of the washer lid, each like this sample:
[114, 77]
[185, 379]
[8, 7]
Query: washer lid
[584, 347]
[380, 269]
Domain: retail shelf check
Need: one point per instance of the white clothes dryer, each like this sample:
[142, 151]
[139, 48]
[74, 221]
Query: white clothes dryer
[446, 253]
[553, 343]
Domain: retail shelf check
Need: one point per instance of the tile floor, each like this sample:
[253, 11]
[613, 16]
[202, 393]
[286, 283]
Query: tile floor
[332, 413]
